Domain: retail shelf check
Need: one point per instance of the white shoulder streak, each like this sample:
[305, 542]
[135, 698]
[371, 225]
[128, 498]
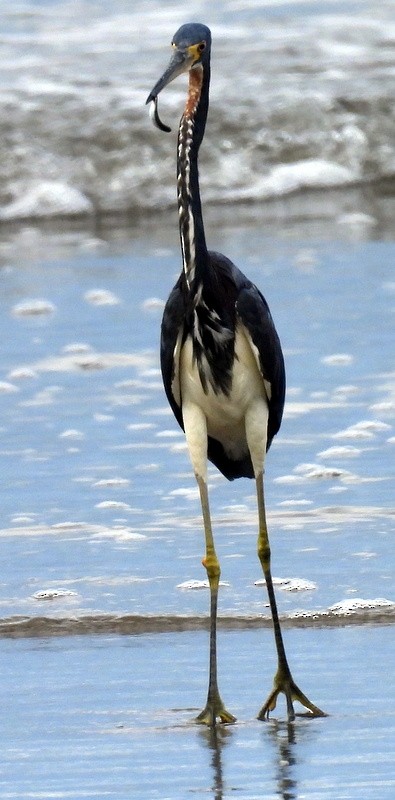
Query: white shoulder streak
[175, 384]
[196, 328]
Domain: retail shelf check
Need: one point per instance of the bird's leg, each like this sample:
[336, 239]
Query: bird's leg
[195, 426]
[214, 707]
[283, 681]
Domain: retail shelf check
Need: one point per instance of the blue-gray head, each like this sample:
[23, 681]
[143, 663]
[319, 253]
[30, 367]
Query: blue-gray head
[191, 45]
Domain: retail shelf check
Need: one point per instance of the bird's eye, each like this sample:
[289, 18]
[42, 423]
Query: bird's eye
[201, 47]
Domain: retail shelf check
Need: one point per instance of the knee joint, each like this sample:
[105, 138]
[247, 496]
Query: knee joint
[212, 567]
[264, 554]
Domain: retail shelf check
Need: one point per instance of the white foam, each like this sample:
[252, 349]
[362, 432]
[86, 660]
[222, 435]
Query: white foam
[189, 493]
[338, 360]
[340, 452]
[140, 426]
[192, 585]
[46, 199]
[77, 347]
[72, 433]
[357, 220]
[358, 604]
[112, 482]
[92, 360]
[286, 178]
[289, 584]
[119, 533]
[293, 409]
[101, 297]
[384, 407]
[22, 373]
[296, 503]
[311, 173]
[53, 594]
[306, 472]
[113, 504]
[153, 304]
[7, 388]
[366, 429]
[33, 308]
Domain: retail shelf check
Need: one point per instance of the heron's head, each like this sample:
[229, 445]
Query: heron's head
[191, 50]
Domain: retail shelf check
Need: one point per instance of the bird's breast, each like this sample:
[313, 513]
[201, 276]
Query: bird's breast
[224, 411]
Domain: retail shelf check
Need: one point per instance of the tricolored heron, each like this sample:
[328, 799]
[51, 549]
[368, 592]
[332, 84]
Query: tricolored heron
[221, 360]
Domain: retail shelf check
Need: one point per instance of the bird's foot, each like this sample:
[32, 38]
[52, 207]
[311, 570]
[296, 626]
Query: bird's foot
[284, 683]
[215, 709]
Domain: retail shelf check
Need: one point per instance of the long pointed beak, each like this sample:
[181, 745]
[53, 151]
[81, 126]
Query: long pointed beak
[179, 63]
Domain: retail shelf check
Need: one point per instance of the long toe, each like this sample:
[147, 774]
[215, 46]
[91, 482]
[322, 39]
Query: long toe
[313, 710]
[285, 685]
[214, 711]
[270, 704]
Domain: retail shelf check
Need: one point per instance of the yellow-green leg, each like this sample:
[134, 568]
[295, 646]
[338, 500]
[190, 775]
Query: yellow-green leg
[283, 681]
[214, 707]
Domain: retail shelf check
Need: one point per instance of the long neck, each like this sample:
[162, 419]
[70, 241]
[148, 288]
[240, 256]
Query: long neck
[190, 135]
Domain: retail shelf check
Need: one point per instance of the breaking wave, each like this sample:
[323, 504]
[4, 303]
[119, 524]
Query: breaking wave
[355, 612]
[306, 104]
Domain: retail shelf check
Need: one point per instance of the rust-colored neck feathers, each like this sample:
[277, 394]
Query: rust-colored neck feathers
[194, 91]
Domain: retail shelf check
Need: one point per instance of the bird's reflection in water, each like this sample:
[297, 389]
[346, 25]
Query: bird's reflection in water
[215, 740]
[283, 737]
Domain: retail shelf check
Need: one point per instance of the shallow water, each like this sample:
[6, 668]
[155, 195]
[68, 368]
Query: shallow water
[100, 509]
[113, 717]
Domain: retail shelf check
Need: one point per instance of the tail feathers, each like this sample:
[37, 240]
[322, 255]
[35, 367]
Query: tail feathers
[230, 469]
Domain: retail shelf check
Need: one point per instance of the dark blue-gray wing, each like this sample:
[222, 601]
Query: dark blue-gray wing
[253, 311]
[171, 331]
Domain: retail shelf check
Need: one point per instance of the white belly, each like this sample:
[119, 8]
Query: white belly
[226, 414]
